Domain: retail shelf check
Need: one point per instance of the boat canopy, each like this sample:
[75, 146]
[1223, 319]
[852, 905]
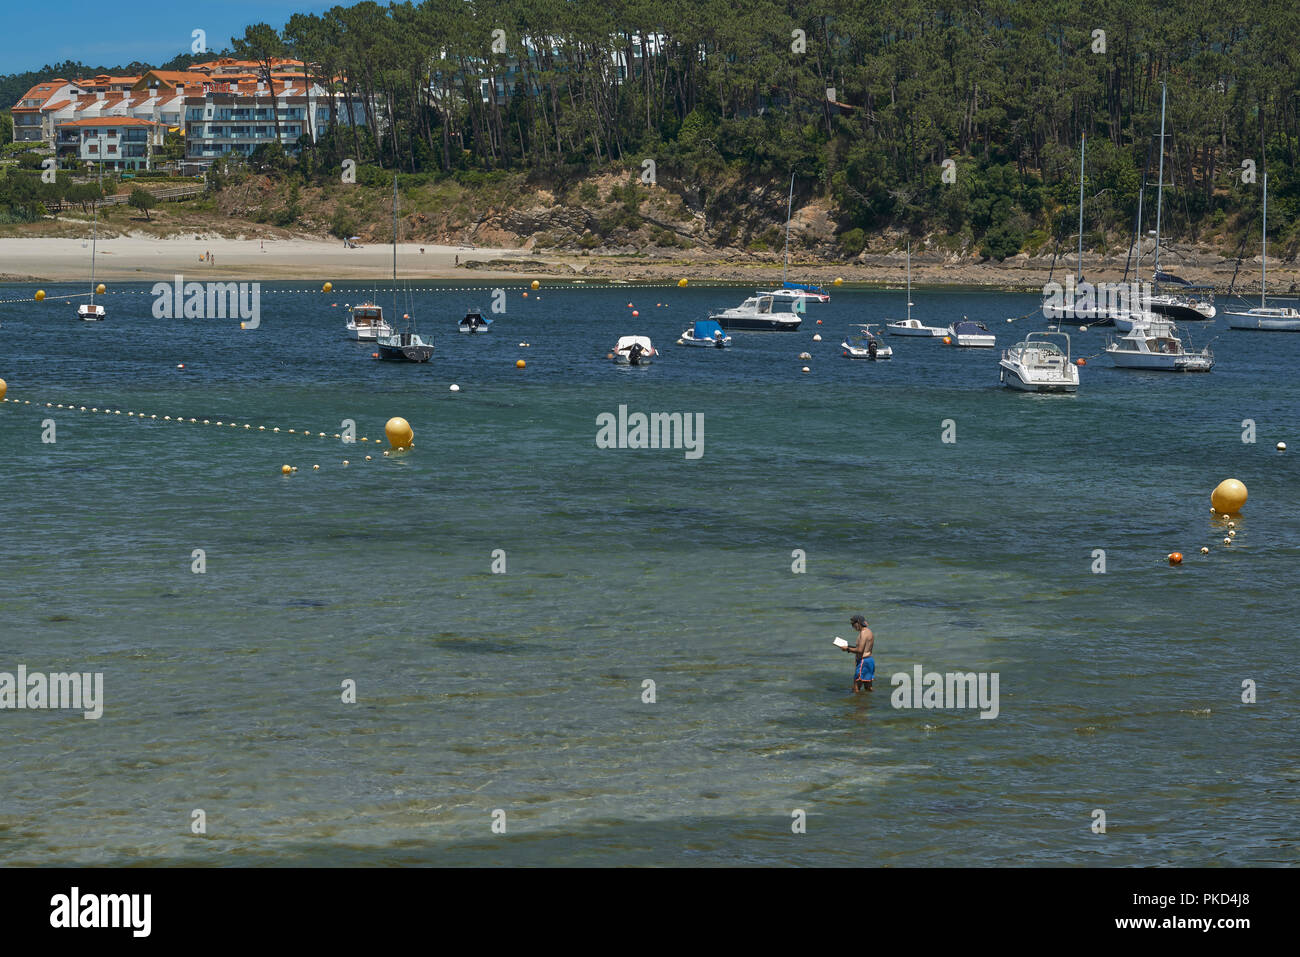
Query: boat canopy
[806, 288]
[367, 312]
[707, 329]
[626, 342]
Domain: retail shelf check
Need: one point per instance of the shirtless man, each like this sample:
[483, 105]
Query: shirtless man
[865, 671]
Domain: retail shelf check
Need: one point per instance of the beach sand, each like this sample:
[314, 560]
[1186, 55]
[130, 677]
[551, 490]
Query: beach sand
[143, 258]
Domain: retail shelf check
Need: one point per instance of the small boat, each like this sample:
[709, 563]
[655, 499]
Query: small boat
[366, 323]
[1039, 364]
[1155, 345]
[634, 351]
[474, 322]
[866, 345]
[910, 326]
[794, 291]
[406, 346]
[972, 334]
[90, 312]
[706, 333]
[757, 313]
[1265, 318]
[913, 327]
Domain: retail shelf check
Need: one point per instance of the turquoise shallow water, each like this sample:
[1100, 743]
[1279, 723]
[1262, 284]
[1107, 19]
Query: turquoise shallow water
[522, 691]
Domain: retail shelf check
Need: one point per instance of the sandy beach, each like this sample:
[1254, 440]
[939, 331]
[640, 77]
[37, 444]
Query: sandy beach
[143, 258]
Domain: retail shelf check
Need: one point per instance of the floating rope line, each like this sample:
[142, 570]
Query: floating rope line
[242, 427]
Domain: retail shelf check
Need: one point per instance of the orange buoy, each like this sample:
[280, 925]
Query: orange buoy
[635, 312]
[520, 364]
[374, 355]
[947, 340]
[1081, 362]
[1175, 558]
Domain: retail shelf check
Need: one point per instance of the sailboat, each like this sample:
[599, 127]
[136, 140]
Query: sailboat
[1080, 305]
[1175, 307]
[89, 311]
[406, 346]
[910, 326]
[1265, 318]
[793, 291]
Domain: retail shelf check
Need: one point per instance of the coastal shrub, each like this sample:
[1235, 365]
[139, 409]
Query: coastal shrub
[589, 193]
[852, 242]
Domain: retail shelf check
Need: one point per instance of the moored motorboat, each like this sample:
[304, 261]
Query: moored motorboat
[758, 313]
[971, 334]
[366, 322]
[706, 334]
[866, 344]
[633, 351]
[474, 322]
[1155, 345]
[1039, 364]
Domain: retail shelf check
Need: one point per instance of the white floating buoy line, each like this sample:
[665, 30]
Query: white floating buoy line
[246, 426]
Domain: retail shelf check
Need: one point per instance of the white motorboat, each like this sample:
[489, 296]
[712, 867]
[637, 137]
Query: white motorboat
[366, 323]
[866, 345]
[1265, 318]
[759, 313]
[1126, 322]
[705, 334]
[1039, 364]
[634, 351]
[971, 334]
[90, 312]
[1155, 345]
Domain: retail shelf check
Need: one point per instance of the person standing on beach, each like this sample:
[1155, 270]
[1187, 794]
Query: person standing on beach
[864, 671]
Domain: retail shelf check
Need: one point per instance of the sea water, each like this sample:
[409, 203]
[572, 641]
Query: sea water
[570, 654]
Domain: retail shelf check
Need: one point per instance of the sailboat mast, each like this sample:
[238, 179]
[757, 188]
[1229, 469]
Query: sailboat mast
[1083, 142]
[1160, 187]
[1263, 253]
[94, 230]
[909, 279]
[394, 247]
[789, 208]
[1137, 267]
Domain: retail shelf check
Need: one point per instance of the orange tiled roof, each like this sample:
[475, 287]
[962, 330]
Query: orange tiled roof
[111, 121]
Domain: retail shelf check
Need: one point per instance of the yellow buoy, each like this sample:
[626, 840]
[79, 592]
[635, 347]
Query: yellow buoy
[520, 364]
[328, 287]
[4, 387]
[681, 283]
[399, 432]
[40, 294]
[536, 284]
[286, 469]
[99, 290]
[1229, 496]
[838, 281]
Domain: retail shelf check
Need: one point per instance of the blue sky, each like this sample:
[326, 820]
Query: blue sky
[108, 34]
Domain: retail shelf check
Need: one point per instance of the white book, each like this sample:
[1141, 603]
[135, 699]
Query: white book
[840, 642]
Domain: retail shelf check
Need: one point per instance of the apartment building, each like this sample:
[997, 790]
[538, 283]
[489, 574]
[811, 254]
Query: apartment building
[116, 143]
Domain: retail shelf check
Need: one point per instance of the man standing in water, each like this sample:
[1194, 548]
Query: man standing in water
[865, 670]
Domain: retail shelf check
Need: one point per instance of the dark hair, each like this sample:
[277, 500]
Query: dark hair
[857, 620]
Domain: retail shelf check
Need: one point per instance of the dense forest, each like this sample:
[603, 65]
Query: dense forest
[863, 101]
